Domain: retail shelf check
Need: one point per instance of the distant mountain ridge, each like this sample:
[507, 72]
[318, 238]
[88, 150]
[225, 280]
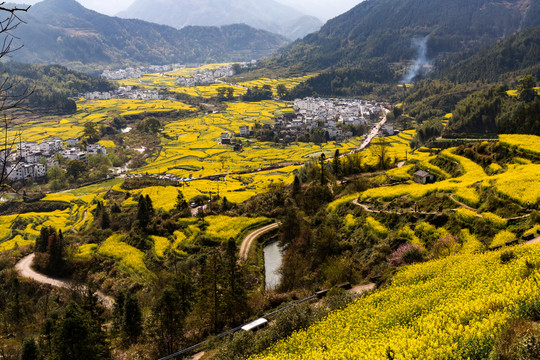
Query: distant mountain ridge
[64, 32]
[267, 15]
[383, 30]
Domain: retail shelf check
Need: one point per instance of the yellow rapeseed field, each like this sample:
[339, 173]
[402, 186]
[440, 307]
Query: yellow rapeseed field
[452, 308]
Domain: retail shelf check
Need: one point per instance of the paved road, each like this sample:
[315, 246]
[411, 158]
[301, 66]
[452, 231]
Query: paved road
[24, 269]
[248, 240]
[373, 132]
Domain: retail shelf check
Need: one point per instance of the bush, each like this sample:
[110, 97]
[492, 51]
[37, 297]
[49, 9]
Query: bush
[376, 227]
[502, 237]
[507, 256]
[465, 216]
[494, 220]
[407, 254]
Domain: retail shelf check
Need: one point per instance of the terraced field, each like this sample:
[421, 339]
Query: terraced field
[95, 111]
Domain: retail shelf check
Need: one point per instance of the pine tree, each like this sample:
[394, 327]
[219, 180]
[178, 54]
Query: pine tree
[29, 350]
[149, 205]
[297, 187]
[43, 239]
[55, 250]
[118, 310]
[105, 220]
[234, 298]
[142, 213]
[168, 316]
[77, 336]
[209, 299]
[132, 319]
[337, 163]
[181, 203]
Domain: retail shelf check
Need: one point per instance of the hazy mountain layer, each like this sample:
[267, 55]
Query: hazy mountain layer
[267, 15]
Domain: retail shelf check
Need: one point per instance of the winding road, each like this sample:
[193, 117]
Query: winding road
[248, 240]
[25, 270]
[24, 266]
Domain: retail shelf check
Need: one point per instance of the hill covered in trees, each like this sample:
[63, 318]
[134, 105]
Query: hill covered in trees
[519, 54]
[51, 86]
[384, 30]
[64, 32]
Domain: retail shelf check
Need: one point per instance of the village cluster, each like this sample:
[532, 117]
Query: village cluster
[138, 72]
[209, 76]
[31, 159]
[123, 92]
[331, 115]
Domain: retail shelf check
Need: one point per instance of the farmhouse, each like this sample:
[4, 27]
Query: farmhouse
[423, 177]
[225, 138]
[244, 131]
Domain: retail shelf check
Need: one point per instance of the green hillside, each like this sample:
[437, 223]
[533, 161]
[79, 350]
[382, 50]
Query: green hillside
[384, 29]
[517, 55]
[52, 86]
[64, 32]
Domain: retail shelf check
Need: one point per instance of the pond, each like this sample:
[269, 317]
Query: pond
[272, 262]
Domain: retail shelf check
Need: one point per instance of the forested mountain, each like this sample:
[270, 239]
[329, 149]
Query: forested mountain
[267, 15]
[51, 85]
[64, 32]
[384, 30]
[517, 55]
[494, 111]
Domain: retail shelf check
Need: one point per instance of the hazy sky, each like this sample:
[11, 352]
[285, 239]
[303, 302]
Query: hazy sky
[323, 9]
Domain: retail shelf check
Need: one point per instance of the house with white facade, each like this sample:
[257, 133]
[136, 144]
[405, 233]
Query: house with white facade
[96, 149]
[72, 142]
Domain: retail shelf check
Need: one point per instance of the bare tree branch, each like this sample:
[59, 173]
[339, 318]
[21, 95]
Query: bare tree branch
[11, 98]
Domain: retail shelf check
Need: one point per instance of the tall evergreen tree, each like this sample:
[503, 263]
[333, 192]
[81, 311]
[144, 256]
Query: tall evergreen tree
[43, 239]
[55, 250]
[131, 319]
[181, 203]
[337, 163]
[105, 220]
[297, 187]
[209, 299]
[143, 214]
[525, 88]
[78, 336]
[168, 316]
[149, 205]
[118, 311]
[29, 350]
[234, 294]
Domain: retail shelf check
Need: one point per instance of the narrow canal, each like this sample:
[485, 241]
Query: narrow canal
[272, 262]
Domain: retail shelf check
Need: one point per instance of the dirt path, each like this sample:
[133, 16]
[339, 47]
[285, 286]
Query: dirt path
[534, 241]
[461, 204]
[248, 240]
[362, 289]
[368, 209]
[198, 356]
[24, 269]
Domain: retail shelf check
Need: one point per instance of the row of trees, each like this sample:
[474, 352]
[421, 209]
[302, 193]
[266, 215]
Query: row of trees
[253, 94]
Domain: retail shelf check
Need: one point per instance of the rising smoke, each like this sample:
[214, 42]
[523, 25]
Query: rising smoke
[421, 59]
